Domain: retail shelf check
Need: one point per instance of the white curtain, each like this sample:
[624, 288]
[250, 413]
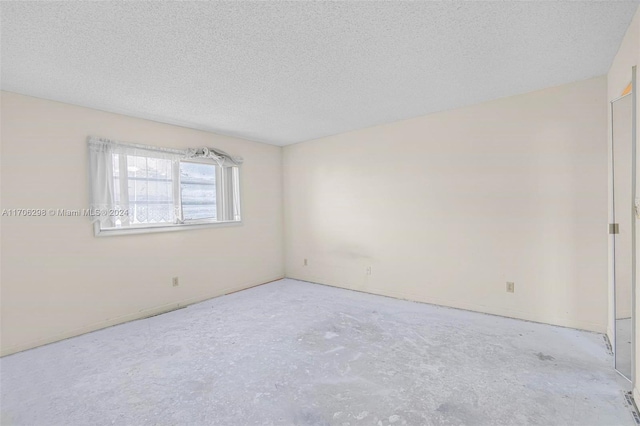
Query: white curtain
[138, 150]
[220, 157]
[101, 178]
[236, 193]
[230, 190]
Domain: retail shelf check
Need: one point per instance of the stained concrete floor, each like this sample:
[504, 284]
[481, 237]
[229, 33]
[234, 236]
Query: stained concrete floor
[294, 353]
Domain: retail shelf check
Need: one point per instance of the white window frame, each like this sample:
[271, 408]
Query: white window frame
[181, 225]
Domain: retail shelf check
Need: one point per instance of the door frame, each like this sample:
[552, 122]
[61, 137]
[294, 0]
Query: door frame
[612, 273]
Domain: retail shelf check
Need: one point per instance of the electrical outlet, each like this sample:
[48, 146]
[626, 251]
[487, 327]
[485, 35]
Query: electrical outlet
[511, 287]
[305, 262]
[175, 281]
[368, 270]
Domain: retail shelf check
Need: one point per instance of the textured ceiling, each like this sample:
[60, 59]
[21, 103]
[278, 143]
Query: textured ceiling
[285, 72]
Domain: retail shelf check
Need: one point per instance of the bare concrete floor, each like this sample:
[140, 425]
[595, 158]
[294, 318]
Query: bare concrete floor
[624, 341]
[297, 353]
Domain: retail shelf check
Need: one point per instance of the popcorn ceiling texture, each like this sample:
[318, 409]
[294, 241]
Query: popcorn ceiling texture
[285, 72]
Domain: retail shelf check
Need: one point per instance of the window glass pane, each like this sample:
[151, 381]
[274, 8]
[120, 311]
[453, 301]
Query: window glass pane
[150, 190]
[198, 191]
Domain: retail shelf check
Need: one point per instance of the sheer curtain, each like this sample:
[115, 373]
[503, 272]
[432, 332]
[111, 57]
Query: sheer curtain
[220, 157]
[230, 191]
[101, 178]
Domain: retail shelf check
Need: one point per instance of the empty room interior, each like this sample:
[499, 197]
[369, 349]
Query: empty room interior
[319, 213]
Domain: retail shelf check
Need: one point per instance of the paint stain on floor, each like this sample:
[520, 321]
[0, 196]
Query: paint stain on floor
[543, 357]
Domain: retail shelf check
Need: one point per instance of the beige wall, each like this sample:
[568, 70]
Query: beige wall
[617, 79]
[448, 207]
[58, 280]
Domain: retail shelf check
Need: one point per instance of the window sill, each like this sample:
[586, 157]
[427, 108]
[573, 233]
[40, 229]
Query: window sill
[160, 228]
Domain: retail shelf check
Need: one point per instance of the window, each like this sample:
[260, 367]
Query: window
[139, 188]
